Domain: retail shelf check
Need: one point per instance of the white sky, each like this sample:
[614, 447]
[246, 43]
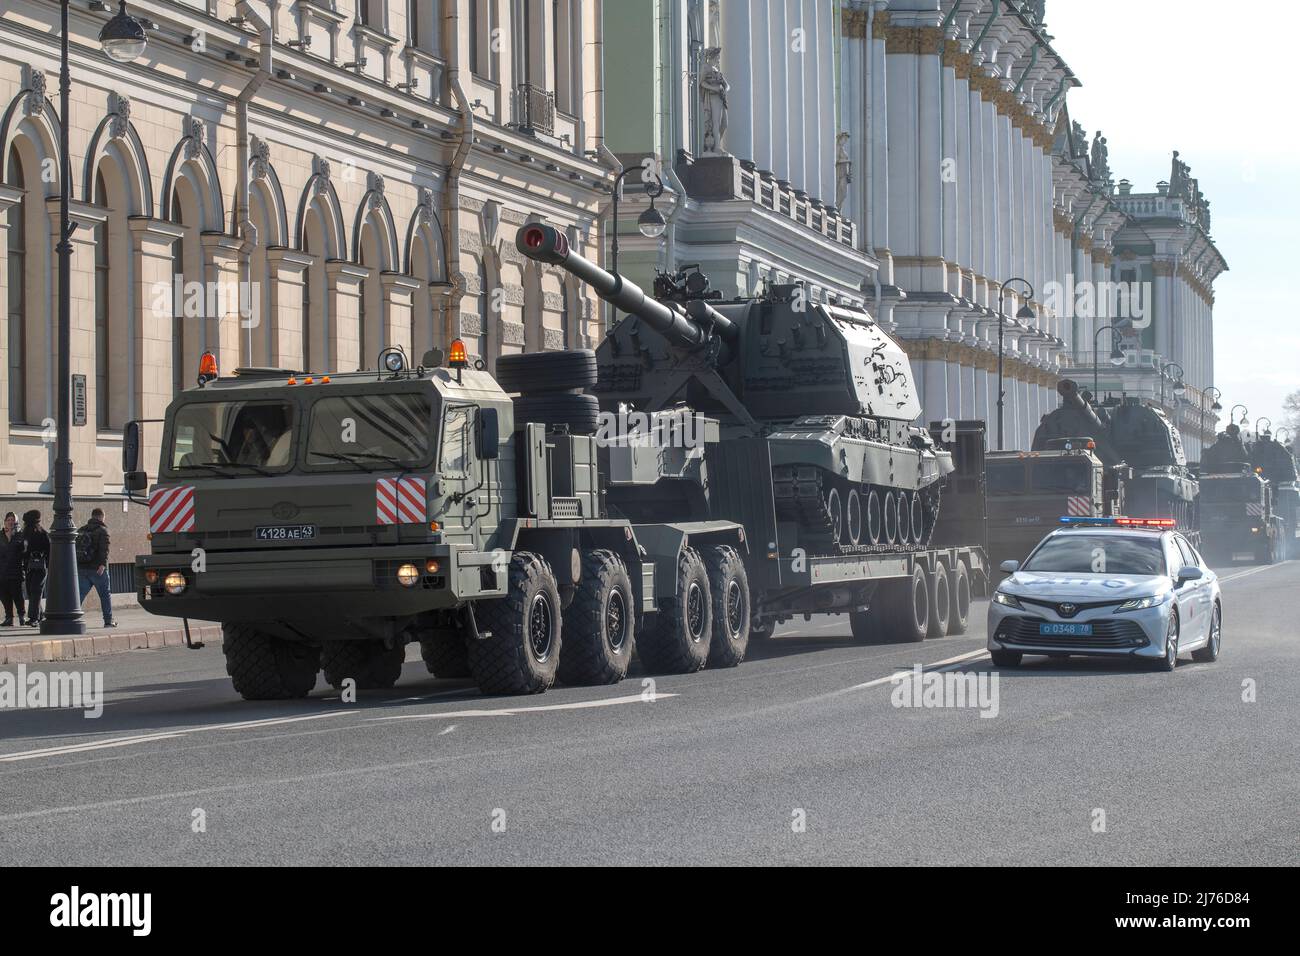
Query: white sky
[1215, 81]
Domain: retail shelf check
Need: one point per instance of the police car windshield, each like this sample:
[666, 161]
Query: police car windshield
[1074, 553]
[257, 435]
[370, 431]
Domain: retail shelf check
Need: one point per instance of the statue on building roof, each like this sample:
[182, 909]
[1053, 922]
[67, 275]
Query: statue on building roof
[1036, 11]
[713, 99]
[1099, 162]
[1179, 177]
[843, 168]
[1078, 141]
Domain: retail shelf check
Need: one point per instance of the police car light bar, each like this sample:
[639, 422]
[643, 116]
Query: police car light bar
[1120, 522]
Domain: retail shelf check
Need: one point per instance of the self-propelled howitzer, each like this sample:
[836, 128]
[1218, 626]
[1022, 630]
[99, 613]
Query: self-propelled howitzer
[826, 392]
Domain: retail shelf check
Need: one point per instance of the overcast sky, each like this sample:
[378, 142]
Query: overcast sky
[1215, 81]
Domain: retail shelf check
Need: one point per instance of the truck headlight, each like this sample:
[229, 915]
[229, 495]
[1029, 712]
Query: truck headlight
[174, 583]
[408, 575]
[1007, 600]
[1141, 604]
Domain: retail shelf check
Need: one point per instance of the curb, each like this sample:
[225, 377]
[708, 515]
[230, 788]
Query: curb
[101, 645]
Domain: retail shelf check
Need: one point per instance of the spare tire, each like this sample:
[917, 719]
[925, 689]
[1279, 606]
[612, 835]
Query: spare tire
[581, 413]
[547, 372]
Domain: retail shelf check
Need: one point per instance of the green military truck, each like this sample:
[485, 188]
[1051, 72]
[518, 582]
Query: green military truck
[1029, 492]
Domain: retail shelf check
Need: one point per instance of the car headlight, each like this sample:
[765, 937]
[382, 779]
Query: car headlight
[1141, 604]
[408, 575]
[174, 583]
[1007, 600]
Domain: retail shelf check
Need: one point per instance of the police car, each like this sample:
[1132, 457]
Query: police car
[1108, 587]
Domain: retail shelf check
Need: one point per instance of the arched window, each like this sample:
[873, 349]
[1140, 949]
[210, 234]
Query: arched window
[17, 285]
[102, 306]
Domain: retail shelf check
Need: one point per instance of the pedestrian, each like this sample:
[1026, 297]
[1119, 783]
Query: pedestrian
[36, 562]
[11, 570]
[92, 563]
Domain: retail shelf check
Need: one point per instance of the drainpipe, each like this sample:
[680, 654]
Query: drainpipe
[451, 188]
[243, 224]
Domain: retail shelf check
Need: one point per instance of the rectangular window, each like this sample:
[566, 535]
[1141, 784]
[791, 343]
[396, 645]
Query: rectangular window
[454, 461]
[370, 431]
[209, 436]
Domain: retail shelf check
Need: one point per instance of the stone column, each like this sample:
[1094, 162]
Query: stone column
[398, 292]
[288, 269]
[343, 282]
[151, 250]
[9, 197]
[87, 476]
[223, 327]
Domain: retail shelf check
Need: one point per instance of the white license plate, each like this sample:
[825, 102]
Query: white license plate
[1065, 630]
[285, 532]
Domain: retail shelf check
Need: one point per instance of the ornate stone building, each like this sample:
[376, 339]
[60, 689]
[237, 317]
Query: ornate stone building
[736, 102]
[969, 172]
[392, 149]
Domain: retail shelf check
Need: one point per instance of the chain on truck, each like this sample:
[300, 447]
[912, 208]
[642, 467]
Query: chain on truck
[713, 469]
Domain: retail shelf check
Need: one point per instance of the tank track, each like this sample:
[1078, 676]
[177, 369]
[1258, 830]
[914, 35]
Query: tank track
[802, 494]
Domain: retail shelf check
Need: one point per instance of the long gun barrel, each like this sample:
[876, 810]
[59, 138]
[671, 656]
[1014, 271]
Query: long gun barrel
[544, 243]
[1069, 392]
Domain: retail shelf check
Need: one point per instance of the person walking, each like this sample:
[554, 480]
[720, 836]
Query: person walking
[36, 563]
[92, 563]
[12, 556]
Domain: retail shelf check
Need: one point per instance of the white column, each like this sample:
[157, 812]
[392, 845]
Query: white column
[736, 42]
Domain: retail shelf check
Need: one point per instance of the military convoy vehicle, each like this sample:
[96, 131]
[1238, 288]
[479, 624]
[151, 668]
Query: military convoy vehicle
[714, 469]
[1147, 473]
[1276, 463]
[1237, 504]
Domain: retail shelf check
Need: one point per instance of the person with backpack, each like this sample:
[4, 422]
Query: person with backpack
[12, 555]
[92, 563]
[36, 563]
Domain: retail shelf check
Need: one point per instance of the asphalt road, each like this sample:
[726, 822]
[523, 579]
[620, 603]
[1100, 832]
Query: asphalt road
[798, 756]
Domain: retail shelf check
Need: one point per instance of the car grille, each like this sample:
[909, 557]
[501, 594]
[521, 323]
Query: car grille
[1106, 635]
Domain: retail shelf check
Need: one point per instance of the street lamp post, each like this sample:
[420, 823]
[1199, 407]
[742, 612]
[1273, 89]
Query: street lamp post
[123, 39]
[1268, 430]
[1116, 356]
[651, 223]
[1179, 388]
[1216, 407]
[1025, 313]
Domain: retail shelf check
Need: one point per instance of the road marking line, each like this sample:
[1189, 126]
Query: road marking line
[1249, 571]
[161, 735]
[946, 664]
[513, 711]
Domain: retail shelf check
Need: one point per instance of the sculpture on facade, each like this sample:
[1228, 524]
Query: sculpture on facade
[1078, 140]
[1100, 159]
[843, 168]
[713, 99]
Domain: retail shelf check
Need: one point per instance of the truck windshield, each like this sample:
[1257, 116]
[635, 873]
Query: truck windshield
[1070, 476]
[1229, 489]
[1006, 478]
[1073, 553]
[256, 434]
[370, 431]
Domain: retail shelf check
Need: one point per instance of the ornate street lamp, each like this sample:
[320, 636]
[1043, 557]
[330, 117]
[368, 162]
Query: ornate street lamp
[1025, 314]
[1116, 355]
[1179, 388]
[1216, 407]
[1232, 412]
[123, 39]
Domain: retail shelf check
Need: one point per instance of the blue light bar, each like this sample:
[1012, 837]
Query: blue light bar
[1119, 521]
[1088, 520]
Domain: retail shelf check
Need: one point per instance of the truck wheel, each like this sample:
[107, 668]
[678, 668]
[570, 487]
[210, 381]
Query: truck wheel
[865, 625]
[905, 608]
[729, 584]
[523, 650]
[678, 640]
[599, 630]
[959, 612]
[534, 373]
[581, 413]
[372, 665]
[940, 601]
[445, 655]
[263, 667]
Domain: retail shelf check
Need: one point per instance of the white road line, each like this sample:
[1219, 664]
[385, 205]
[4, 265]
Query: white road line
[512, 711]
[162, 735]
[1249, 571]
[937, 665]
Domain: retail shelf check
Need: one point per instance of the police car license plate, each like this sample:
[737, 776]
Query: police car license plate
[1065, 630]
[285, 532]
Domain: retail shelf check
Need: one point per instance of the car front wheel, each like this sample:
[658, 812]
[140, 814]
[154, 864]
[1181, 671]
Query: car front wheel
[1170, 660]
[1210, 652]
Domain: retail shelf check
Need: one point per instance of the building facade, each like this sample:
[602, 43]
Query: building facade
[733, 105]
[294, 184]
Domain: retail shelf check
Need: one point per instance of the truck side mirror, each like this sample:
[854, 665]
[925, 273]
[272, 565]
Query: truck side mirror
[489, 433]
[131, 447]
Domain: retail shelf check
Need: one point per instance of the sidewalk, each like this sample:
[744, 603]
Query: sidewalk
[137, 629]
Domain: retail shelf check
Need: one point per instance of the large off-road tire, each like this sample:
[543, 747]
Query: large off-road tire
[959, 612]
[263, 667]
[600, 624]
[904, 610]
[678, 640]
[522, 652]
[580, 413]
[729, 586]
[445, 654]
[940, 600]
[372, 665]
[534, 373]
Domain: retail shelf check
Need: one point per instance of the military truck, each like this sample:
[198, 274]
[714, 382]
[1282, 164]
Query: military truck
[1276, 463]
[523, 530]
[1236, 504]
[1028, 492]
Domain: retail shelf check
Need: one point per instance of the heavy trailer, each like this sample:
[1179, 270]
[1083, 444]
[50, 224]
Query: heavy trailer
[524, 530]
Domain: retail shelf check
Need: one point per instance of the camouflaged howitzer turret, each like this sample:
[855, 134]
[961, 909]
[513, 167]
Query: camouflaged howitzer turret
[830, 394]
